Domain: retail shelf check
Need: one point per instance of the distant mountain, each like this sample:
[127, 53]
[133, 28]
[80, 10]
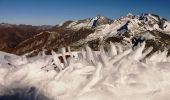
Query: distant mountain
[153, 28]
[27, 39]
[11, 34]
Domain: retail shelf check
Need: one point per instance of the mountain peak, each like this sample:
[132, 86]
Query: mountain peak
[130, 14]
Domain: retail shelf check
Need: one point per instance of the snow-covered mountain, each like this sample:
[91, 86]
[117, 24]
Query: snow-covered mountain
[130, 26]
[154, 29]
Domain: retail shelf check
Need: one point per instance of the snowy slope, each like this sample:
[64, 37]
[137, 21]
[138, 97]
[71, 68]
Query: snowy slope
[88, 22]
[4, 56]
[135, 26]
[106, 75]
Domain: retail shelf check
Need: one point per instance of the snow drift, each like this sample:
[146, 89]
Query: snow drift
[115, 74]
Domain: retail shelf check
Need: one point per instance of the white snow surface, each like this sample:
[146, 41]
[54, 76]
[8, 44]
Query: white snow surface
[4, 56]
[111, 75]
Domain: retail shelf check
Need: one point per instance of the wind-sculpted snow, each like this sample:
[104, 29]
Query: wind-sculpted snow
[115, 74]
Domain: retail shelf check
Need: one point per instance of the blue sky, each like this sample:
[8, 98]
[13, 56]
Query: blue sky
[52, 12]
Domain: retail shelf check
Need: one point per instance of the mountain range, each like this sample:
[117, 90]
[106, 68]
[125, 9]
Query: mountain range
[29, 40]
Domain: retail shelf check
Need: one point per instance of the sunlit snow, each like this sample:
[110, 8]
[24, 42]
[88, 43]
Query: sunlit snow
[87, 75]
